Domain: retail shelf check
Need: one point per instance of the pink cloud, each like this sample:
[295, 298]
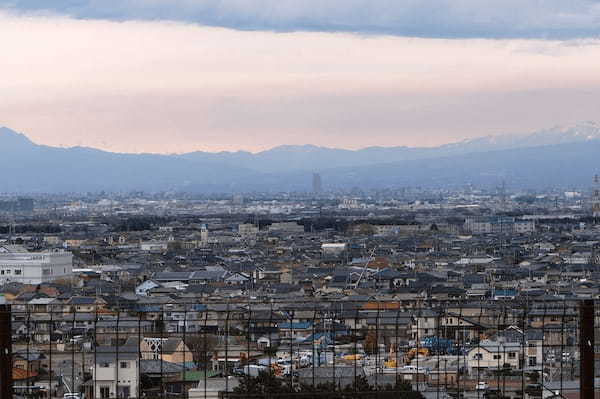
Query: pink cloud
[169, 87]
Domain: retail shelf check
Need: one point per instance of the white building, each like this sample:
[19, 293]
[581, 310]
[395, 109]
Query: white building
[247, 229]
[499, 224]
[204, 233]
[494, 355]
[333, 249]
[154, 246]
[19, 265]
[115, 373]
[287, 227]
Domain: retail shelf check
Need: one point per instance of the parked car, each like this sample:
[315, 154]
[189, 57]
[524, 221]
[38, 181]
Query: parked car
[482, 386]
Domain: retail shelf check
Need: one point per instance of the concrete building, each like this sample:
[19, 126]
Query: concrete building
[154, 246]
[287, 227]
[19, 265]
[596, 197]
[247, 229]
[317, 185]
[333, 249]
[499, 225]
[204, 233]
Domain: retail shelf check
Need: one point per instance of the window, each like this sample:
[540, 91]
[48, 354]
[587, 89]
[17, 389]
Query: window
[533, 361]
[17, 272]
[124, 365]
[477, 356]
[104, 392]
[496, 357]
[512, 355]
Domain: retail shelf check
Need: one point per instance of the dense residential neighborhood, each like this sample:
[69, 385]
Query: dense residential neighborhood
[136, 295]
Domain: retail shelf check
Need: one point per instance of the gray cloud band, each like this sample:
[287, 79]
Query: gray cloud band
[550, 19]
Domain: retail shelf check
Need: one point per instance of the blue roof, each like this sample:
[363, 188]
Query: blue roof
[292, 326]
[327, 338]
[505, 293]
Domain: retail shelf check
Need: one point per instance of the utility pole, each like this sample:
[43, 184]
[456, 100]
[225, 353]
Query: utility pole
[6, 383]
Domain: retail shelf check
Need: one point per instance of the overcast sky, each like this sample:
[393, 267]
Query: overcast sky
[184, 75]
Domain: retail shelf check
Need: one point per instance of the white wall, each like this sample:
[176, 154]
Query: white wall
[35, 267]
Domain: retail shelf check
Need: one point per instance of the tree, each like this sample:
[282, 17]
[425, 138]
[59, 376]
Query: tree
[366, 229]
[266, 384]
[371, 342]
[202, 347]
[534, 377]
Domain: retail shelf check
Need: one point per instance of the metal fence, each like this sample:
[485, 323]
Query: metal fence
[166, 348]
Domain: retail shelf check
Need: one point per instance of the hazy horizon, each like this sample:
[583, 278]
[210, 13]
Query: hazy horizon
[312, 145]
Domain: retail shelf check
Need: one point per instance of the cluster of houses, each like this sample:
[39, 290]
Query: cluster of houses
[184, 306]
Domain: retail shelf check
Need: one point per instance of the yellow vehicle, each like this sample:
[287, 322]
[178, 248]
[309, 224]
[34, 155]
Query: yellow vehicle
[410, 355]
[354, 357]
[390, 363]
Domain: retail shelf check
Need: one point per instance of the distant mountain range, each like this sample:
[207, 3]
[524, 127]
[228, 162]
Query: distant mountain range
[565, 157]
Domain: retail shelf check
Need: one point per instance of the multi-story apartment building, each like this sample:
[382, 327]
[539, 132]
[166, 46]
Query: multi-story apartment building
[247, 229]
[499, 225]
[19, 265]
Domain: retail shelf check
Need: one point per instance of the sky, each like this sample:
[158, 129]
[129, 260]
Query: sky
[173, 76]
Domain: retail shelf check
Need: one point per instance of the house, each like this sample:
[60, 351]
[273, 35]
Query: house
[116, 371]
[173, 350]
[291, 332]
[392, 326]
[494, 355]
[427, 323]
[238, 278]
[42, 305]
[213, 388]
[462, 329]
[111, 330]
[208, 276]
[166, 277]
[504, 295]
[23, 380]
[84, 304]
[159, 375]
[143, 288]
[30, 360]
[532, 342]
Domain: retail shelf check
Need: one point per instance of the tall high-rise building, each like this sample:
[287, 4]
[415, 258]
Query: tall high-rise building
[317, 185]
[204, 233]
[596, 197]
